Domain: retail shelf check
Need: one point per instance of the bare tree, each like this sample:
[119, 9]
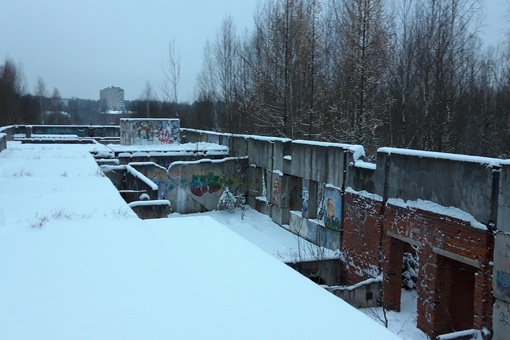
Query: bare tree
[207, 87]
[172, 72]
[363, 55]
[41, 94]
[226, 61]
[148, 97]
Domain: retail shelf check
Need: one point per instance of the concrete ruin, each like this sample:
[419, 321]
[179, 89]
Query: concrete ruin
[451, 211]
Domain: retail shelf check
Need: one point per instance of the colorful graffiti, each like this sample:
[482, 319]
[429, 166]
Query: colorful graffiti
[275, 193]
[332, 209]
[149, 131]
[202, 184]
[502, 267]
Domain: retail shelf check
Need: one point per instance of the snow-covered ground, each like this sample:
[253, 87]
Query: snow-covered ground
[403, 323]
[76, 263]
[260, 230]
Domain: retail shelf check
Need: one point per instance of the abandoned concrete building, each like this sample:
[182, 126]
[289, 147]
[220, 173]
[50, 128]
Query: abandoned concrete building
[450, 211]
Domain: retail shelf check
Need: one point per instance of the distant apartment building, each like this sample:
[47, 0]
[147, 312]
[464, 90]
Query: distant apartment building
[112, 99]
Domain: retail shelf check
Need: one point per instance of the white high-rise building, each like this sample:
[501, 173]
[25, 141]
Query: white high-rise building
[112, 99]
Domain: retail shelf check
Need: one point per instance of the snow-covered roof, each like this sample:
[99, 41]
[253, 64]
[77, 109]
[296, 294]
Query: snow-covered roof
[78, 264]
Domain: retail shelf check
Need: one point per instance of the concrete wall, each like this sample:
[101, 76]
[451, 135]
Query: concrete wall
[151, 209]
[79, 130]
[464, 182]
[324, 272]
[3, 141]
[196, 186]
[501, 272]
[141, 131]
[8, 131]
[364, 295]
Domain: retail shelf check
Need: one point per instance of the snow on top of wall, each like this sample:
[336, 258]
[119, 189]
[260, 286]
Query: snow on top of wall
[471, 333]
[205, 160]
[142, 177]
[168, 149]
[438, 209]
[278, 172]
[256, 137]
[149, 119]
[55, 136]
[149, 203]
[329, 185]
[364, 194]
[110, 168]
[147, 164]
[365, 165]
[358, 151]
[7, 127]
[443, 155]
[379, 278]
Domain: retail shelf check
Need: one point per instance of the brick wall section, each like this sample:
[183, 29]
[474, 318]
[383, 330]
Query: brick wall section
[435, 272]
[392, 269]
[362, 232]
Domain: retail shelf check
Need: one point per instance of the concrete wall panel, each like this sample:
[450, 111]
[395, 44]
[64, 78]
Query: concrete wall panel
[465, 185]
[504, 200]
[141, 131]
[260, 153]
[301, 160]
[335, 166]
[501, 272]
[501, 323]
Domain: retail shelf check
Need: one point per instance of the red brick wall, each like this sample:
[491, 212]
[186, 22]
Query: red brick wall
[438, 276]
[362, 232]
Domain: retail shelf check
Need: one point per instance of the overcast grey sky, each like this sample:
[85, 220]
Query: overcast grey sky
[82, 46]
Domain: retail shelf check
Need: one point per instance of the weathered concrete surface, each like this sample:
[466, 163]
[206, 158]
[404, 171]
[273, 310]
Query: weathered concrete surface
[151, 209]
[360, 296]
[279, 215]
[79, 130]
[465, 184]
[260, 153]
[501, 271]
[504, 199]
[3, 141]
[360, 175]
[322, 271]
[197, 186]
[309, 161]
[501, 325]
[313, 231]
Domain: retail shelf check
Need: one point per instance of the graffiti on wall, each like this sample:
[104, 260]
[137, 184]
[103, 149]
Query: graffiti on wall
[306, 196]
[160, 178]
[502, 266]
[275, 192]
[149, 131]
[203, 181]
[332, 209]
[202, 184]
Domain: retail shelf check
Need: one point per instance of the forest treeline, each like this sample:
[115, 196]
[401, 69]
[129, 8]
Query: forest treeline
[402, 73]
